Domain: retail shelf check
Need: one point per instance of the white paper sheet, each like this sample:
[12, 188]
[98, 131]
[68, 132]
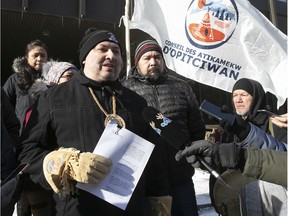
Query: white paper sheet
[129, 154]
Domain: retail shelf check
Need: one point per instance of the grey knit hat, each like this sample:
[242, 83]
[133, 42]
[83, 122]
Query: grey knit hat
[53, 70]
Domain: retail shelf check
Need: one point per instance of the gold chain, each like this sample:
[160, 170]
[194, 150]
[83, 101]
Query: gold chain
[100, 106]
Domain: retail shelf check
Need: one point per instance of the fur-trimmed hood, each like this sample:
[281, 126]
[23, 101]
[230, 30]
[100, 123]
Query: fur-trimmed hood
[25, 73]
[20, 65]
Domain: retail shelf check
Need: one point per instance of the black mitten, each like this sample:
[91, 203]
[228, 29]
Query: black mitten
[231, 155]
[239, 127]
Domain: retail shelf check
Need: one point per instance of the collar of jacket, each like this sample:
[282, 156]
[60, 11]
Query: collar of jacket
[110, 86]
[133, 73]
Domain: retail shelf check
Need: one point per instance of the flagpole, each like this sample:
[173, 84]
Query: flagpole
[273, 15]
[127, 38]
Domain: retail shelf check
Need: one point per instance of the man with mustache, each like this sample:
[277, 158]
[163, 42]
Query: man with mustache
[175, 99]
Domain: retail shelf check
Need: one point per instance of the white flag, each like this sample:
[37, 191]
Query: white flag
[217, 42]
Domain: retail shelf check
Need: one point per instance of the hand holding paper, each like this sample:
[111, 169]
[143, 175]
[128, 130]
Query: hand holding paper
[129, 154]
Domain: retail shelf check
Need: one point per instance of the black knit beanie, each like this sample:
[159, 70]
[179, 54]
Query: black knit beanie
[244, 84]
[145, 46]
[90, 40]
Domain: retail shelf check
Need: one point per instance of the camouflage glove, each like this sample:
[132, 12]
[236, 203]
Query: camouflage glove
[69, 164]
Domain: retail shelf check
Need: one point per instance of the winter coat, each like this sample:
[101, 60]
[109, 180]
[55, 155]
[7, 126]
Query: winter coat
[9, 136]
[67, 116]
[268, 195]
[267, 165]
[10, 187]
[259, 195]
[257, 138]
[19, 96]
[175, 99]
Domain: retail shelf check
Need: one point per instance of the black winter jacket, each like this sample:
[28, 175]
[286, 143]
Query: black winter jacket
[67, 116]
[176, 100]
[9, 136]
[20, 98]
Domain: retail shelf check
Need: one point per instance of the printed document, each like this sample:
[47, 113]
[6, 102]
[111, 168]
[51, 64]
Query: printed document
[129, 154]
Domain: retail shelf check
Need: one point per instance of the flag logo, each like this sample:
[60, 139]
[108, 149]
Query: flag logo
[209, 24]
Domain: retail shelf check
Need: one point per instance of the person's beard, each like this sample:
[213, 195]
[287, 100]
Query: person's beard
[153, 75]
[243, 114]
